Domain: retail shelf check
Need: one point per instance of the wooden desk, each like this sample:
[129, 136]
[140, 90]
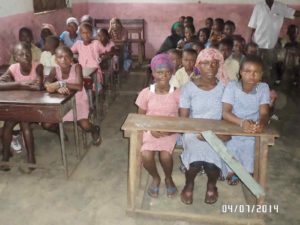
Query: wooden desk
[90, 73]
[135, 124]
[40, 106]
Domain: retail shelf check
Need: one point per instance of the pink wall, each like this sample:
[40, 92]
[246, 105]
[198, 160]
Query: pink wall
[10, 25]
[159, 17]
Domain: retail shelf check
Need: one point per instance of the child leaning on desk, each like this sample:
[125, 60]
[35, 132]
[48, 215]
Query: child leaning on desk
[23, 75]
[67, 77]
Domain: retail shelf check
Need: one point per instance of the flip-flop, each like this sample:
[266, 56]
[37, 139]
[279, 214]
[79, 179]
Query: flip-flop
[153, 192]
[233, 180]
[171, 191]
[210, 194]
[98, 141]
[186, 197]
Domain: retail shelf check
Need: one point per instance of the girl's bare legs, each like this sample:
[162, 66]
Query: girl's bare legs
[29, 142]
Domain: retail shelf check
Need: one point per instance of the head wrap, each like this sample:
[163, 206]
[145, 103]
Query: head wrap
[49, 27]
[174, 26]
[72, 20]
[162, 60]
[214, 54]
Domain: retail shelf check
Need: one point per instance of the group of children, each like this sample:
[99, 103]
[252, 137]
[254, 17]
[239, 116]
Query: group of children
[213, 74]
[53, 68]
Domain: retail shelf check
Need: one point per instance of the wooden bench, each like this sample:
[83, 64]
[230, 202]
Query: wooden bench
[136, 34]
[135, 124]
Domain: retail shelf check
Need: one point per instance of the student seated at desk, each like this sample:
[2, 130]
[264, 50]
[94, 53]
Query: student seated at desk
[48, 56]
[202, 98]
[23, 75]
[67, 77]
[160, 99]
[246, 104]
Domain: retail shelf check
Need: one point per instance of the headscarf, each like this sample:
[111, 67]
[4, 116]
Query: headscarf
[174, 26]
[160, 61]
[214, 54]
[49, 27]
[72, 20]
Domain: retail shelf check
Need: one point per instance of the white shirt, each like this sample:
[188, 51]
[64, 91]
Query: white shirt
[231, 68]
[180, 78]
[267, 23]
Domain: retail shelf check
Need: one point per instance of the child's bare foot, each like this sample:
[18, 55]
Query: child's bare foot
[171, 188]
[96, 136]
[153, 189]
[211, 195]
[186, 195]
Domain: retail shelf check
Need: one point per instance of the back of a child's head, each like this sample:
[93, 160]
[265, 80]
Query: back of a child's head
[103, 31]
[228, 42]
[188, 20]
[87, 19]
[251, 45]
[53, 41]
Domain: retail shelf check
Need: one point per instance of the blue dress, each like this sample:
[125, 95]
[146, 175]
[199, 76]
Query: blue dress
[206, 105]
[245, 106]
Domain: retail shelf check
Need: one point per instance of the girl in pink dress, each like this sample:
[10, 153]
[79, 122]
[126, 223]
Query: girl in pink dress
[160, 99]
[89, 51]
[69, 78]
[23, 75]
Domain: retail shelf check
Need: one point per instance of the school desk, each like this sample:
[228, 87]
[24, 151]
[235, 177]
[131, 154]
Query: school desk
[135, 124]
[40, 106]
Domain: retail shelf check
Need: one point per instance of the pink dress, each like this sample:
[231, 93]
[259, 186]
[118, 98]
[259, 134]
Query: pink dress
[107, 47]
[82, 104]
[15, 70]
[88, 56]
[159, 105]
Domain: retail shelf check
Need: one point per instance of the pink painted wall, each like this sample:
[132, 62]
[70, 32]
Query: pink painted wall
[10, 25]
[159, 17]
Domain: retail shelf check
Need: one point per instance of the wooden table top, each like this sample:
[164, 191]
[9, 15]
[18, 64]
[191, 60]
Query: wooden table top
[32, 97]
[186, 125]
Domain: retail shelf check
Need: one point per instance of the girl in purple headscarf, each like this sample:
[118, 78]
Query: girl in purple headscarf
[159, 99]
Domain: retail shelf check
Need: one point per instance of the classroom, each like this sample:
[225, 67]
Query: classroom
[137, 112]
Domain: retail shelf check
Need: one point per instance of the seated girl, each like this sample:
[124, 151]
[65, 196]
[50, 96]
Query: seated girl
[67, 77]
[159, 99]
[23, 75]
[246, 104]
[202, 98]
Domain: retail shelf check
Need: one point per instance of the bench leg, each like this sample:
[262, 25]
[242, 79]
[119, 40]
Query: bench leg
[63, 150]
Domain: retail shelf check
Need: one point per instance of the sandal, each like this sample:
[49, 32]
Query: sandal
[211, 196]
[232, 179]
[171, 188]
[97, 137]
[153, 192]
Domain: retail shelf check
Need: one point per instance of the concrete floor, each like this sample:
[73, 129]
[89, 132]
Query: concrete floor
[97, 191]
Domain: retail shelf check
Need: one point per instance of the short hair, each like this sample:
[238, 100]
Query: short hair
[190, 51]
[204, 30]
[190, 19]
[175, 52]
[86, 19]
[220, 21]
[87, 26]
[252, 59]
[251, 44]
[103, 30]
[24, 45]
[65, 49]
[238, 38]
[26, 30]
[227, 42]
[53, 40]
[229, 23]
[291, 28]
[198, 44]
[210, 19]
[190, 27]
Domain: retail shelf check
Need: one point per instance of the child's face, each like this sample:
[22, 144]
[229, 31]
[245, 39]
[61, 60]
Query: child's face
[26, 37]
[228, 30]
[72, 28]
[86, 34]
[176, 60]
[209, 68]
[251, 73]
[237, 48]
[162, 76]
[251, 50]
[208, 23]
[188, 34]
[45, 33]
[23, 56]
[216, 26]
[225, 50]
[115, 25]
[63, 59]
[188, 61]
[203, 37]
[102, 37]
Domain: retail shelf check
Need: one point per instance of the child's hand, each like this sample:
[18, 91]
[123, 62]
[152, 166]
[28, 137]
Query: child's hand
[159, 134]
[52, 87]
[258, 128]
[30, 85]
[64, 91]
[248, 126]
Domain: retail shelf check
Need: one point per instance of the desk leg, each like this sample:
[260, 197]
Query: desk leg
[135, 145]
[256, 162]
[75, 127]
[63, 150]
[263, 162]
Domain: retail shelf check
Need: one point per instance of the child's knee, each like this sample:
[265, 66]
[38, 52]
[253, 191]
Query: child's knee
[85, 125]
[147, 155]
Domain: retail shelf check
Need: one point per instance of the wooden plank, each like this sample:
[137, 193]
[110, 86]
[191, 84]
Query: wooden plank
[219, 147]
[210, 219]
[186, 125]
